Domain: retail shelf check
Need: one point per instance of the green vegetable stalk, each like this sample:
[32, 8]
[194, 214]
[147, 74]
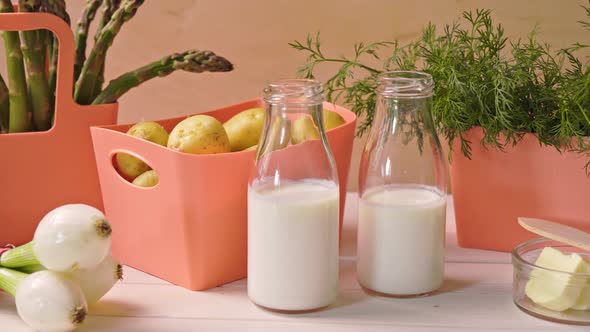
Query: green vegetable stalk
[28, 269]
[82, 34]
[30, 106]
[33, 47]
[9, 280]
[110, 6]
[58, 8]
[86, 83]
[192, 61]
[19, 102]
[4, 106]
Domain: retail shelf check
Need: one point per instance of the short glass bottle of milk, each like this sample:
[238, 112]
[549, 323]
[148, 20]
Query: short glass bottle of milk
[293, 204]
[402, 189]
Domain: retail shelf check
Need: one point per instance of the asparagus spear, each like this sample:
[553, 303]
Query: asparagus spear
[85, 85]
[19, 103]
[110, 6]
[192, 61]
[58, 8]
[82, 33]
[32, 45]
[4, 106]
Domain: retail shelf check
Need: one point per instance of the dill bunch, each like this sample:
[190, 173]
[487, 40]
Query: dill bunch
[482, 79]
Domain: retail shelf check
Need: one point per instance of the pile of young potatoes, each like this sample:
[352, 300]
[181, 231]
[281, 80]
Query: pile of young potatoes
[203, 134]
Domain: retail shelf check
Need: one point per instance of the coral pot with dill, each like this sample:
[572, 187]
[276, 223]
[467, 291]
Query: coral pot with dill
[27, 95]
[508, 88]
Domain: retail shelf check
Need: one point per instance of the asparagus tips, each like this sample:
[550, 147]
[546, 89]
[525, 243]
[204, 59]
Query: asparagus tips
[4, 106]
[192, 61]
[33, 48]
[109, 9]
[19, 103]
[55, 7]
[110, 6]
[85, 85]
[82, 34]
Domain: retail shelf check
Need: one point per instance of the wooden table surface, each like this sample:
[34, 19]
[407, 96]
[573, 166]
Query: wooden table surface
[476, 296]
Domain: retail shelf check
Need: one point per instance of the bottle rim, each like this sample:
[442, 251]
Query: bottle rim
[404, 83]
[295, 91]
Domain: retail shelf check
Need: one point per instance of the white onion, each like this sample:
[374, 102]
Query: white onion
[49, 302]
[96, 282]
[72, 236]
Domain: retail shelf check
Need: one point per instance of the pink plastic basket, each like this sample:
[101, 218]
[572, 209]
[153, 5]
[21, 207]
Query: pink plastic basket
[43, 170]
[190, 229]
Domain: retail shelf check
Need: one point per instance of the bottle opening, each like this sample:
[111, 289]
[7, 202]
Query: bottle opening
[295, 92]
[405, 84]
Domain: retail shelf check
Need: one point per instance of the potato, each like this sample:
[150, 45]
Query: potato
[147, 179]
[281, 134]
[150, 131]
[244, 128]
[303, 128]
[332, 119]
[199, 134]
[130, 167]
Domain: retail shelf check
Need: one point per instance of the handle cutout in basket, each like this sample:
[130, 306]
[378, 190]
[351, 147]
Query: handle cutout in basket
[134, 169]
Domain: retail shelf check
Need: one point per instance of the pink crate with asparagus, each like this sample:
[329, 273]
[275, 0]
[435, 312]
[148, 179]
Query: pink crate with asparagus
[52, 92]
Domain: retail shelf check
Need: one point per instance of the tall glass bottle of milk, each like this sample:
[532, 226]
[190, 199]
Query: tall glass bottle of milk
[293, 204]
[402, 188]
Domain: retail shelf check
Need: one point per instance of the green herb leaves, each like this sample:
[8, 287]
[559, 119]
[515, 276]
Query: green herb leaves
[483, 79]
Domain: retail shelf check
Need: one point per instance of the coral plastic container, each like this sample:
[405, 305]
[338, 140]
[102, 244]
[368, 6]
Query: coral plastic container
[43, 170]
[494, 188]
[190, 229]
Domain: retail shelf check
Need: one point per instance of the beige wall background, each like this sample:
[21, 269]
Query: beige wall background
[254, 34]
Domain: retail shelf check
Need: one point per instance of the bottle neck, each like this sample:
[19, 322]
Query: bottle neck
[404, 98]
[404, 115]
[292, 110]
[294, 93]
[294, 97]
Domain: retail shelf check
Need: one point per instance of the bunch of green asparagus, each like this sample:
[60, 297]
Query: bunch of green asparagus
[27, 102]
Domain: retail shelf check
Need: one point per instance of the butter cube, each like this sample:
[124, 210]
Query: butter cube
[554, 290]
[583, 302]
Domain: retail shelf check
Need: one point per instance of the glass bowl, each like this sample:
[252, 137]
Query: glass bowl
[525, 270]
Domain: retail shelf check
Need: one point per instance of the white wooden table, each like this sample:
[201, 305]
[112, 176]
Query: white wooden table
[476, 296]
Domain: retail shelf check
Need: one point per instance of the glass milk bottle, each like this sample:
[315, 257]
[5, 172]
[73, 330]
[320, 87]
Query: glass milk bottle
[402, 188]
[293, 205]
